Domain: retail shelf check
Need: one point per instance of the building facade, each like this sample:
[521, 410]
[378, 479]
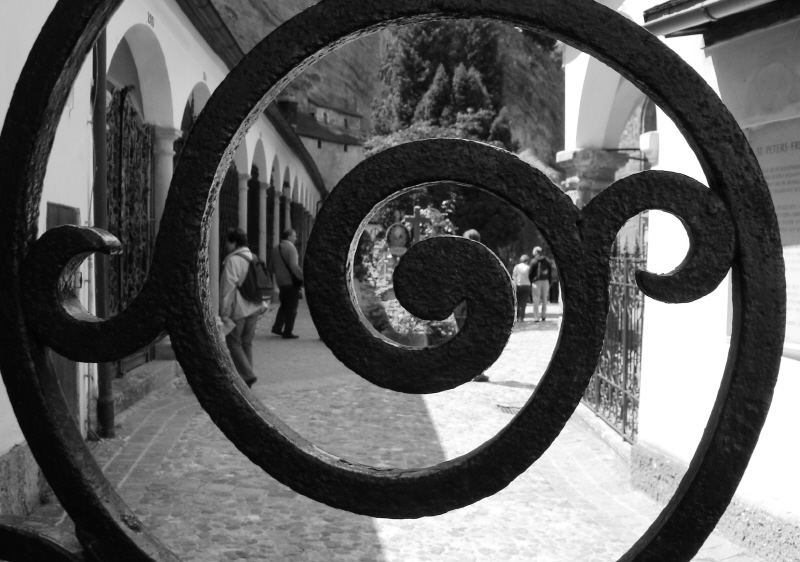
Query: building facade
[163, 60]
[747, 51]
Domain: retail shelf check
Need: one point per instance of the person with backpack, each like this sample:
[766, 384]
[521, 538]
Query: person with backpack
[540, 274]
[289, 278]
[235, 307]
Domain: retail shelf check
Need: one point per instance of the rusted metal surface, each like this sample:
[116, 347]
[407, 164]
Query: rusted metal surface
[732, 223]
[22, 541]
[613, 392]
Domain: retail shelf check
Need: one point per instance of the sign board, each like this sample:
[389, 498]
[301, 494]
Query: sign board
[777, 147]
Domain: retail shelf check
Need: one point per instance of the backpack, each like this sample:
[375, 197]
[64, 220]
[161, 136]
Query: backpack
[257, 284]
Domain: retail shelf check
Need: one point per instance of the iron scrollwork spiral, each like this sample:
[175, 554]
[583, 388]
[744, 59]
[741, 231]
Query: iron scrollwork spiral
[730, 224]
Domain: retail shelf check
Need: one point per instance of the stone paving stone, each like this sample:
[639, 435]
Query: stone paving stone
[207, 502]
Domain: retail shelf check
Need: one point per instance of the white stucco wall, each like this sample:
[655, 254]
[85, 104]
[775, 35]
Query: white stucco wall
[332, 160]
[15, 43]
[685, 346]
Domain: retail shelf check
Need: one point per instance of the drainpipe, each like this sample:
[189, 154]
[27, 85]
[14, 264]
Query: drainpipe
[105, 371]
[708, 11]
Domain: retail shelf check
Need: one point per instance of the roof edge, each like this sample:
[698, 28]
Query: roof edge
[206, 19]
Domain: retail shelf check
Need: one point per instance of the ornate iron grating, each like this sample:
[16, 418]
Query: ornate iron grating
[731, 224]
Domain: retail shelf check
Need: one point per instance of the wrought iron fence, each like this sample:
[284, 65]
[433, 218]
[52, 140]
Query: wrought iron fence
[613, 392]
[732, 223]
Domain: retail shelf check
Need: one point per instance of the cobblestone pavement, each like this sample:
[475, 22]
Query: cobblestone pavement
[207, 502]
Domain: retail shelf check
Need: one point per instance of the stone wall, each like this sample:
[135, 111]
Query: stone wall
[21, 482]
[762, 533]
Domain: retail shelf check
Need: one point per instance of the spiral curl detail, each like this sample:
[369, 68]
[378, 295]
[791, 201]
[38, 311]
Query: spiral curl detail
[737, 206]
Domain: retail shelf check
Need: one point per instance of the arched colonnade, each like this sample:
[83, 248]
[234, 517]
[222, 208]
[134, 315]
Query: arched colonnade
[169, 75]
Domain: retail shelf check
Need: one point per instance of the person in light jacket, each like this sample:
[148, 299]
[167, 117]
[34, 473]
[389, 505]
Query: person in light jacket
[522, 284]
[233, 307]
[289, 279]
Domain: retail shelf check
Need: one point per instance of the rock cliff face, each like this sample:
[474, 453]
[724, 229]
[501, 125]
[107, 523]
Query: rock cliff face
[345, 78]
[533, 92]
[533, 85]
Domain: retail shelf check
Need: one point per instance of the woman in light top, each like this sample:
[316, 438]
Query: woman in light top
[522, 285]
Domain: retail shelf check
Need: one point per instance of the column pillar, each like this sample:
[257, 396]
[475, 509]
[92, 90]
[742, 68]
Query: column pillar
[262, 221]
[306, 227]
[589, 171]
[243, 179]
[276, 216]
[287, 209]
[163, 163]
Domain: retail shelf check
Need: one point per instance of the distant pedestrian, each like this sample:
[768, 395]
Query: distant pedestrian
[236, 309]
[460, 312]
[540, 275]
[522, 285]
[289, 278]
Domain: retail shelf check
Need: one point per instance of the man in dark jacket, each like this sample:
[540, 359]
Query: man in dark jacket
[289, 279]
[540, 275]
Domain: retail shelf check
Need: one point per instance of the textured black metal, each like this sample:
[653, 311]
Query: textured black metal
[581, 243]
[21, 541]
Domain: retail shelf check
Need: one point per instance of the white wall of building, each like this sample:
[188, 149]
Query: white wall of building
[15, 43]
[332, 159]
[685, 346]
[172, 58]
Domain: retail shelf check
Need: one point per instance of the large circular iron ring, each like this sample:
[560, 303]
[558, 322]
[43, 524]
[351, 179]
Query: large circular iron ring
[759, 292]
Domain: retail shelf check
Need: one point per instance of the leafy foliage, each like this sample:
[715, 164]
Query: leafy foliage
[444, 79]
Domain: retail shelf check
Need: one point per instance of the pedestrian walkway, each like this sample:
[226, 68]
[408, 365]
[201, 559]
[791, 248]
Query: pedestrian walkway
[207, 502]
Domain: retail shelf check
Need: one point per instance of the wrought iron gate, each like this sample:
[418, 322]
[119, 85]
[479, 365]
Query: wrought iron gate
[131, 216]
[613, 392]
[732, 223]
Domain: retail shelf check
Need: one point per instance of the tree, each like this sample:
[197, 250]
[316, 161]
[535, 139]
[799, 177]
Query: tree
[436, 100]
[420, 102]
[469, 93]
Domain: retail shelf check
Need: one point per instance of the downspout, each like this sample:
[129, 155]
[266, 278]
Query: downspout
[708, 11]
[105, 371]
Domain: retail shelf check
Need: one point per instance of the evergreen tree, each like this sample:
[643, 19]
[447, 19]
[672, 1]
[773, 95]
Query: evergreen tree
[420, 102]
[436, 99]
[481, 51]
[469, 93]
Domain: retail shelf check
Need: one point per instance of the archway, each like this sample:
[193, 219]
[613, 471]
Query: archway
[139, 164]
[194, 105]
[273, 203]
[256, 202]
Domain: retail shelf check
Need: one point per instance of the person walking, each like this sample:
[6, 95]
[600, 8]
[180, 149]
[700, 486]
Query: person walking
[236, 309]
[540, 274]
[520, 275]
[289, 279]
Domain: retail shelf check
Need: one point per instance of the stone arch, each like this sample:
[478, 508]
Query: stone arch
[195, 102]
[138, 68]
[286, 198]
[296, 214]
[601, 86]
[274, 202]
[141, 47]
[256, 215]
[628, 99]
